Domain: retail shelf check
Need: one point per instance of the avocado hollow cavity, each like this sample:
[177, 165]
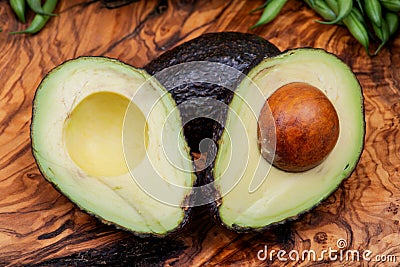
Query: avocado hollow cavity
[93, 134]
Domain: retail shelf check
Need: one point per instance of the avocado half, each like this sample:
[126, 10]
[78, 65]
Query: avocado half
[96, 135]
[254, 193]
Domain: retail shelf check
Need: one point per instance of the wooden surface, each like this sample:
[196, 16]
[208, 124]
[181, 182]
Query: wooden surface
[40, 226]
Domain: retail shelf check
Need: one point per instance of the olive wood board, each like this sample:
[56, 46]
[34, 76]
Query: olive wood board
[39, 226]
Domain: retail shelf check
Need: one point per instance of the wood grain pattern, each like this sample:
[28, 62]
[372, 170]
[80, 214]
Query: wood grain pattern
[38, 226]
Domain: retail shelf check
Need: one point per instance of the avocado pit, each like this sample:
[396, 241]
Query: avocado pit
[306, 127]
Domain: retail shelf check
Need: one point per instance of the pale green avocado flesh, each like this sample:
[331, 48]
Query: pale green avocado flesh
[256, 194]
[96, 127]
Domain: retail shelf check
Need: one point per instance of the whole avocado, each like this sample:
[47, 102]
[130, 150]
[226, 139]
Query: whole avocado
[91, 98]
[240, 51]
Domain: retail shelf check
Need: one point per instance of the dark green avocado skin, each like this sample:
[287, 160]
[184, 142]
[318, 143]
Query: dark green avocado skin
[241, 51]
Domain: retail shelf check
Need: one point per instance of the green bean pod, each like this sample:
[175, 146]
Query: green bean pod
[333, 4]
[358, 15]
[18, 6]
[382, 33]
[39, 20]
[342, 9]
[260, 7]
[270, 12]
[392, 20]
[357, 30]
[374, 11]
[360, 6]
[36, 6]
[391, 5]
[354, 23]
[321, 8]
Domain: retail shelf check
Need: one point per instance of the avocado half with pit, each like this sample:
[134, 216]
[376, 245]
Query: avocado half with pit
[104, 133]
[257, 190]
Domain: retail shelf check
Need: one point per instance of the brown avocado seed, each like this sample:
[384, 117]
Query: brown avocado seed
[306, 127]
